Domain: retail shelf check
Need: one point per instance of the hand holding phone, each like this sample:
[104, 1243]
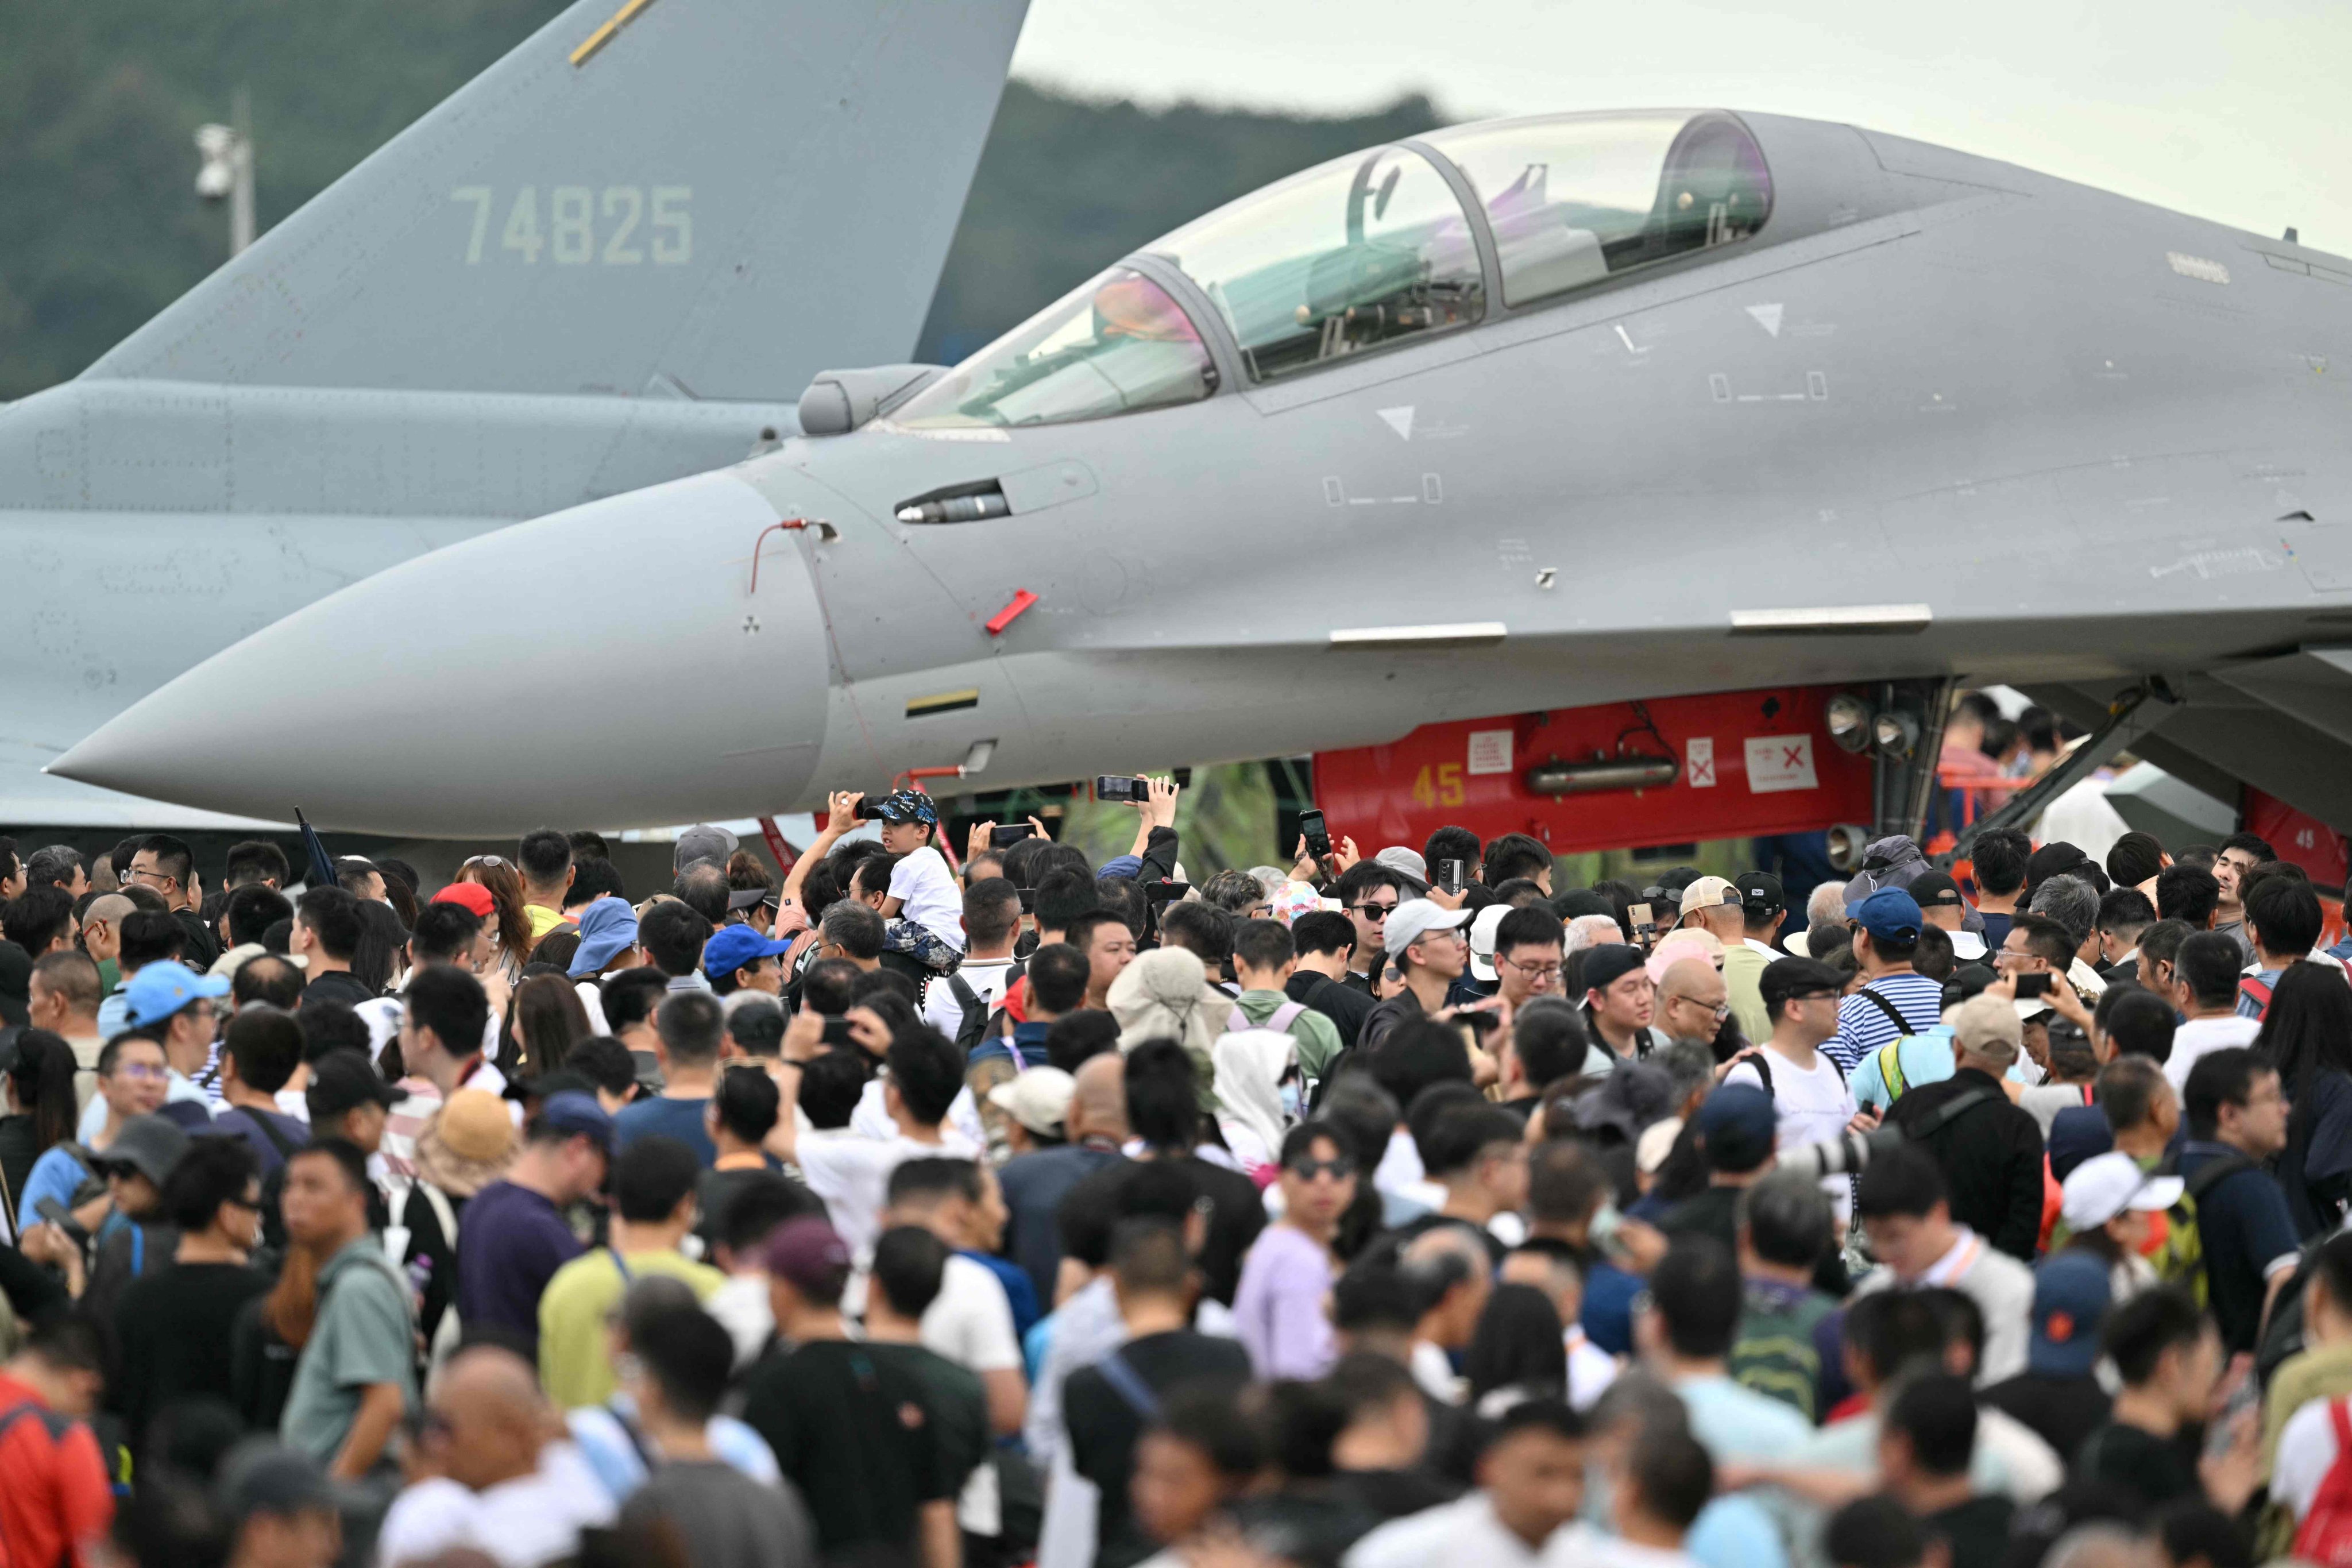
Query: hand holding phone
[1004, 833]
[1113, 787]
[2034, 984]
[1453, 876]
[1318, 837]
[1644, 924]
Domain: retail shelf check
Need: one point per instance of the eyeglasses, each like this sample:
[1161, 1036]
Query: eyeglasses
[157, 878]
[145, 1072]
[1534, 971]
[1372, 911]
[1338, 1170]
[253, 1202]
[1721, 1010]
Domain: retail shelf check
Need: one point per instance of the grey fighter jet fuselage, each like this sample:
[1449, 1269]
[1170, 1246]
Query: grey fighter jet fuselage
[1524, 415]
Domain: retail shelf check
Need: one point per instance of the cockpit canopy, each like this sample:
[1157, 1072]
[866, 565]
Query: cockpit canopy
[1369, 250]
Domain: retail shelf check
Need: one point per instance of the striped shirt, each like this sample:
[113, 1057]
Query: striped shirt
[1864, 1026]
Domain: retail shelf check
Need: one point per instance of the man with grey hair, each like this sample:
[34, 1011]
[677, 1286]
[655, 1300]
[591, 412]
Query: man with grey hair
[2101, 1544]
[58, 865]
[1825, 905]
[2073, 903]
[1455, 1271]
[1593, 930]
[852, 930]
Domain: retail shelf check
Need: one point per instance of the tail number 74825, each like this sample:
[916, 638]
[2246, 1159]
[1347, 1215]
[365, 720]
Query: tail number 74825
[621, 226]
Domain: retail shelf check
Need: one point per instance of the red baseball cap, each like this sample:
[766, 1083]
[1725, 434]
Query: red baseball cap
[469, 895]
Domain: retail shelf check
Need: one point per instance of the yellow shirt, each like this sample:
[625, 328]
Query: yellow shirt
[574, 1360]
[542, 920]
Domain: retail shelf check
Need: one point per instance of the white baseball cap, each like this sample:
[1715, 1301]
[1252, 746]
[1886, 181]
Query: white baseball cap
[1710, 892]
[1481, 940]
[1037, 1097]
[2106, 1186]
[1413, 920]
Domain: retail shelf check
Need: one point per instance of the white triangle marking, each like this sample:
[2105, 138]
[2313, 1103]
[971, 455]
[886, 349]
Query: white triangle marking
[1399, 420]
[1767, 317]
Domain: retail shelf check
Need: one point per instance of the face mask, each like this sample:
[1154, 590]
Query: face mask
[1294, 1100]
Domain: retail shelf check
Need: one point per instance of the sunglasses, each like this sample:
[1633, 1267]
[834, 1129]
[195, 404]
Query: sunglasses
[485, 860]
[1308, 1169]
[1372, 911]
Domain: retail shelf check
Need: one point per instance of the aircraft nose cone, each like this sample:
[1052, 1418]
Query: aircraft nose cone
[606, 667]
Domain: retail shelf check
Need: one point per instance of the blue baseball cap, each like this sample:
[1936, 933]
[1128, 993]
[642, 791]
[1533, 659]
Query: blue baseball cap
[570, 1111]
[606, 926]
[732, 947]
[1739, 1127]
[2077, 1134]
[2070, 1298]
[906, 805]
[1889, 913]
[159, 990]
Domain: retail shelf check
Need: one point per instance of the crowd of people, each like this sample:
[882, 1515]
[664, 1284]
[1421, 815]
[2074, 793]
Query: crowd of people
[995, 1208]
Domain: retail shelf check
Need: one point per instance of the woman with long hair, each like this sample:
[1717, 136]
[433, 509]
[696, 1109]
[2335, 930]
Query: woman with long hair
[545, 1022]
[268, 1338]
[1519, 1351]
[2308, 1037]
[512, 936]
[382, 946]
[41, 1112]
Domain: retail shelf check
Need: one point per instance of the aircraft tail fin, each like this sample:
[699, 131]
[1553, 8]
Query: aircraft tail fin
[718, 197]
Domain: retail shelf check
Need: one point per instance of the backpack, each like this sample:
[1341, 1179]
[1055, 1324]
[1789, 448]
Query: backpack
[975, 1025]
[2252, 989]
[446, 1333]
[1279, 1020]
[2325, 1537]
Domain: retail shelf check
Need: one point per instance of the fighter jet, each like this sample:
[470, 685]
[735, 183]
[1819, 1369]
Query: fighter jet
[612, 259]
[1520, 416]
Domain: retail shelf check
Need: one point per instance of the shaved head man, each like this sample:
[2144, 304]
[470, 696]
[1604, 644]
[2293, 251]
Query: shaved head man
[1692, 1000]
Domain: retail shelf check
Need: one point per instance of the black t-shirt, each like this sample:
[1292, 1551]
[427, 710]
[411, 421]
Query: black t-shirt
[203, 943]
[957, 1402]
[1236, 1214]
[1977, 1531]
[2158, 1468]
[1393, 1494]
[20, 1146]
[174, 1327]
[1715, 1212]
[853, 1431]
[1345, 1006]
[719, 1188]
[2061, 1411]
[1105, 1422]
[338, 985]
[1311, 1525]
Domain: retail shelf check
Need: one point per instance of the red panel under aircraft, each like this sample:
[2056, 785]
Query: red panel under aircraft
[1746, 764]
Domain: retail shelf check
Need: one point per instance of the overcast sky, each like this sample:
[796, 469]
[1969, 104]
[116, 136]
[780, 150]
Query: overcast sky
[2232, 110]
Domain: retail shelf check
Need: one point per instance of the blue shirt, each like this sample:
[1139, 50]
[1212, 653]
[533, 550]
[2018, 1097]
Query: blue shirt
[1019, 1293]
[1923, 1057]
[665, 1118]
[1864, 1026]
[1608, 1312]
[56, 1175]
[2268, 979]
[1024, 1049]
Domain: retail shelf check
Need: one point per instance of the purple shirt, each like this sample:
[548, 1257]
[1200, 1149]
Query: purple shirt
[510, 1242]
[1279, 1309]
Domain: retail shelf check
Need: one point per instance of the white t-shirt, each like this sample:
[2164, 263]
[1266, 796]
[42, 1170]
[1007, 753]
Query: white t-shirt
[2306, 1452]
[927, 896]
[2201, 1037]
[1581, 1546]
[986, 977]
[521, 1523]
[970, 1322]
[871, 1118]
[851, 1174]
[1812, 1107]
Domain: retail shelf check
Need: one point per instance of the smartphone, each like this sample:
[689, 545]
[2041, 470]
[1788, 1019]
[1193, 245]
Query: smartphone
[1318, 837]
[2035, 985]
[836, 1033]
[55, 1213]
[1482, 1022]
[1028, 901]
[1110, 786]
[866, 811]
[1453, 876]
[1004, 833]
[1166, 892]
[1645, 924]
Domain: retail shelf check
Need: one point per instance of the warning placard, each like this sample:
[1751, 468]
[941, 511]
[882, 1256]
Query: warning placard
[1698, 761]
[1777, 763]
[1490, 750]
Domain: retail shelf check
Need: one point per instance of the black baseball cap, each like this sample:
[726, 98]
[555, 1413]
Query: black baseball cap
[344, 1080]
[1760, 891]
[1933, 890]
[1786, 977]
